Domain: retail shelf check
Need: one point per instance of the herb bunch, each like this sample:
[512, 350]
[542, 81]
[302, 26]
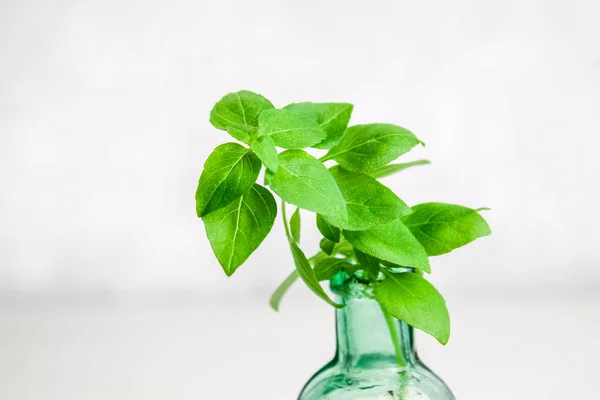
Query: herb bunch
[367, 230]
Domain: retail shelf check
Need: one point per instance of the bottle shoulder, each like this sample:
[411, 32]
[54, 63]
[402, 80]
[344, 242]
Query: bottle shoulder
[338, 382]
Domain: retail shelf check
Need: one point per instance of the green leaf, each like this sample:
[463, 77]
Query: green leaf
[303, 266]
[295, 225]
[330, 232]
[243, 108]
[350, 269]
[391, 169]
[368, 263]
[331, 248]
[391, 242]
[332, 117]
[410, 298]
[366, 147]
[265, 149]
[282, 289]
[304, 181]
[289, 130]
[368, 202]
[344, 248]
[229, 172]
[236, 230]
[275, 300]
[243, 133]
[327, 246]
[307, 274]
[442, 227]
[329, 267]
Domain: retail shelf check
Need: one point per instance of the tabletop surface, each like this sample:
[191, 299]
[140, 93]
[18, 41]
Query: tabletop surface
[209, 349]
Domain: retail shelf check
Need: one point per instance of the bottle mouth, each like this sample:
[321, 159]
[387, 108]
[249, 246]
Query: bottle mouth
[354, 285]
[358, 283]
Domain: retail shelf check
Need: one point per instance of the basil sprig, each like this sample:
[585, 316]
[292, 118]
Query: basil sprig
[367, 229]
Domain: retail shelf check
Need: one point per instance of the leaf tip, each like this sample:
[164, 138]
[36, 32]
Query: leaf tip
[444, 336]
[228, 272]
[443, 339]
[274, 306]
[426, 267]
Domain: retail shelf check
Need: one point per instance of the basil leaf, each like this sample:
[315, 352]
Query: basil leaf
[344, 248]
[366, 147]
[327, 246]
[289, 130]
[236, 230]
[295, 225]
[391, 169]
[243, 133]
[241, 108]
[282, 289]
[304, 181]
[368, 202]
[307, 274]
[442, 227]
[368, 263]
[330, 232]
[350, 269]
[391, 242]
[229, 172]
[329, 267]
[410, 298]
[265, 149]
[331, 248]
[332, 117]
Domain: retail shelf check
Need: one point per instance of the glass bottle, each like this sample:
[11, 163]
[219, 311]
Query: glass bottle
[375, 356]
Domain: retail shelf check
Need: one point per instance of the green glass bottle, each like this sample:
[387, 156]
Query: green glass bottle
[375, 356]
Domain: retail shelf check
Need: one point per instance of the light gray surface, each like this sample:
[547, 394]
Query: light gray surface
[519, 349]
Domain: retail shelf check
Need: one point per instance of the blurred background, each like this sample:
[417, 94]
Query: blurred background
[108, 286]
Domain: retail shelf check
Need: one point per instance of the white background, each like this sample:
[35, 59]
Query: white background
[104, 129]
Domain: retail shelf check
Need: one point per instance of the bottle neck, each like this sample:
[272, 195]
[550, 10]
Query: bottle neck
[366, 336]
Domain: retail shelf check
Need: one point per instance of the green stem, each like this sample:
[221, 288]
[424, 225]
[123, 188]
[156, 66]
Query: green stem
[286, 224]
[392, 326]
[285, 220]
[317, 257]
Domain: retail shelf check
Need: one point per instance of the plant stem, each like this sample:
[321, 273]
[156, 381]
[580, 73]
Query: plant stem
[317, 257]
[285, 220]
[391, 323]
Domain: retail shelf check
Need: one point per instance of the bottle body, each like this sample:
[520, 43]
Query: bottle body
[375, 356]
